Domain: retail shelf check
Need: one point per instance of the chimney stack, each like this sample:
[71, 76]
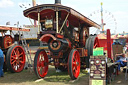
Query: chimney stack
[58, 2]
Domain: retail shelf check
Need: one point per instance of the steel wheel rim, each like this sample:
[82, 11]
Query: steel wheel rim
[76, 64]
[17, 59]
[42, 64]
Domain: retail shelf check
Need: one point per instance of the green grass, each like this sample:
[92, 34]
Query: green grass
[52, 78]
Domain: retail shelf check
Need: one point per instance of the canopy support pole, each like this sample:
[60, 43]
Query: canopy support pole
[38, 22]
[64, 22]
[57, 29]
[31, 22]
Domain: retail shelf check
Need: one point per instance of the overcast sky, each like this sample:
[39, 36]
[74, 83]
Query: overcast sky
[115, 12]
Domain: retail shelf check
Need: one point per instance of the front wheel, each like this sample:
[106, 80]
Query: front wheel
[41, 63]
[15, 58]
[74, 64]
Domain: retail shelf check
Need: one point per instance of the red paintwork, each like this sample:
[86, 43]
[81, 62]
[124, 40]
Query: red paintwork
[59, 36]
[48, 10]
[17, 58]
[58, 14]
[76, 64]
[103, 43]
[13, 28]
[58, 46]
[42, 64]
[67, 23]
[96, 43]
[69, 43]
[46, 37]
[109, 46]
[8, 40]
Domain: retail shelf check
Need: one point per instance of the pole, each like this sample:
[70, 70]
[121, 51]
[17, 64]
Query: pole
[57, 29]
[109, 46]
[63, 22]
[34, 4]
[18, 30]
[38, 22]
[102, 23]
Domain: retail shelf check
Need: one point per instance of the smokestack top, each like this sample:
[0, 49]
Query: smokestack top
[58, 2]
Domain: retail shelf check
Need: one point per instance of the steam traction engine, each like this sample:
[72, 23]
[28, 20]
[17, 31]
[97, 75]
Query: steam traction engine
[14, 53]
[66, 33]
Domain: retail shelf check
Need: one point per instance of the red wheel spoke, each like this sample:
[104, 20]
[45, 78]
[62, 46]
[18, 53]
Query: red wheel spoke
[20, 54]
[13, 57]
[39, 68]
[13, 62]
[20, 58]
[22, 62]
[95, 45]
[74, 61]
[40, 63]
[74, 68]
[14, 52]
[8, 40]
[17, 58]
[42, 58]
[76, 71]
[17, 51]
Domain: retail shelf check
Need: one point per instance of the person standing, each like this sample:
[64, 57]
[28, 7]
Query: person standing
[1, 63]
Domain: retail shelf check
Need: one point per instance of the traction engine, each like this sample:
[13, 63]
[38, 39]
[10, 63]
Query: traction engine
[14, 59]
[66, 33]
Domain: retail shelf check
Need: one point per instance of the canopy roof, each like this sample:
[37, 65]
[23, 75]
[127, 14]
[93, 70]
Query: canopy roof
[48, 11]
[6, 28]
[117, 36]
[102, 36]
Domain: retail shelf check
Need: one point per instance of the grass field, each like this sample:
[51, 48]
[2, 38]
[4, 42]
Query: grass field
[52, 78]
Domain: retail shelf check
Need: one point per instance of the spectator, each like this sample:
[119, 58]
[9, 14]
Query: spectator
[125, 48]
[1, 63]
[122, 59]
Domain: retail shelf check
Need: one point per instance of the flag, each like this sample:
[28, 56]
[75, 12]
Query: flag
[8, 23]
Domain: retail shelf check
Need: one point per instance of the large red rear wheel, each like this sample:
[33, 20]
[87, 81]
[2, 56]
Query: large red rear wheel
[91, 43]
[15, 58]
[74, 64]
[94, 44]
[41, 63]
